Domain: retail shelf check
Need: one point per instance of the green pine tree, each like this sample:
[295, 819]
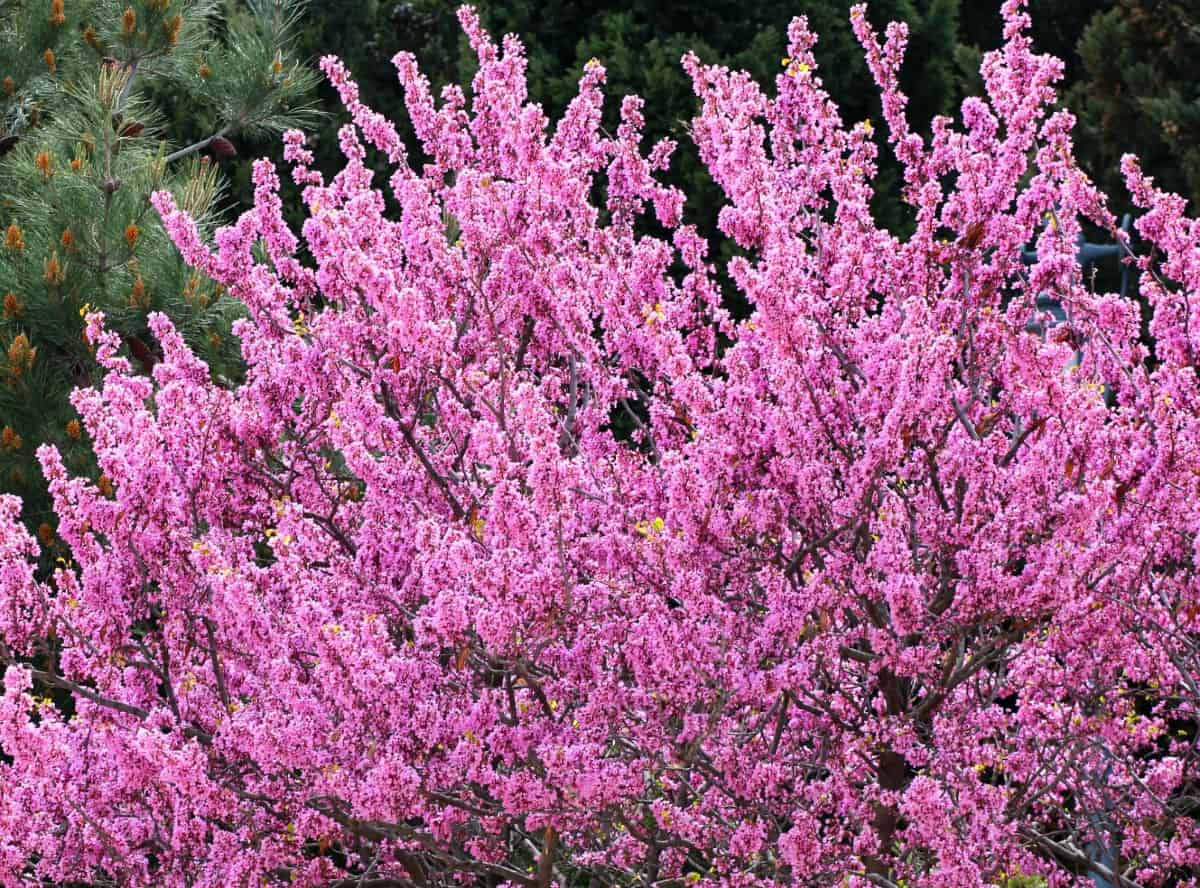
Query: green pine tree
[84, 146]
[1140, 93]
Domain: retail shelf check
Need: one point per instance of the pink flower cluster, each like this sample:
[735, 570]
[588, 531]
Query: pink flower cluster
[517, 561]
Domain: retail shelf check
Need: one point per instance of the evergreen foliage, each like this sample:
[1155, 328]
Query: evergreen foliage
[1140, 92]
[84, 146]
[640, 43]
[1131, 68]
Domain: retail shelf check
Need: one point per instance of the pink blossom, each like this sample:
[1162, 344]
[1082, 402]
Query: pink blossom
[517, 559]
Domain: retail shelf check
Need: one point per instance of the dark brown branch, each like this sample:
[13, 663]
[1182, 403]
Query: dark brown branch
[218, 671]
[1035, 423]
[545, 866]
[409, 438]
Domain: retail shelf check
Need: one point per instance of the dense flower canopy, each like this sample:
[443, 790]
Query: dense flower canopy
[517, 559]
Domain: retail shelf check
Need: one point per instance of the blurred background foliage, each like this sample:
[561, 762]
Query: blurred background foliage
[1132, 66]
[1132, 73]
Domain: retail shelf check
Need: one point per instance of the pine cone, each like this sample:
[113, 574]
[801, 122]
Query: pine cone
[142, 353]
[130, 129]
[222, 147]
[7, 143]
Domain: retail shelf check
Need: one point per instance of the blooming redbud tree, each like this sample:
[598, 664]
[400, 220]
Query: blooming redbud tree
[516, 560]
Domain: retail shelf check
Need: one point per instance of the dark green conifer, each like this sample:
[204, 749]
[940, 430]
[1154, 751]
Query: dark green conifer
[84, 145]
